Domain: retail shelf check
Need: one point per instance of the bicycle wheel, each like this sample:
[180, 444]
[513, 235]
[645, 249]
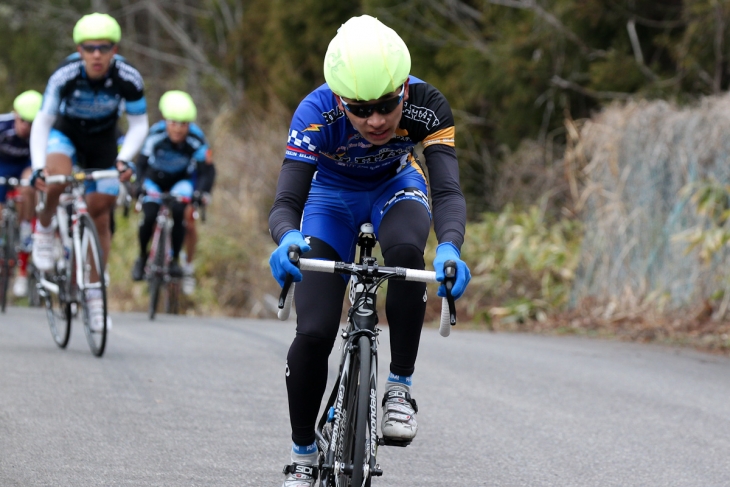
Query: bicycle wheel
[7, 257]
[34, 299]
[355, 433]
[157, 274]
[58, 309]
[91, 261]
[172, 297]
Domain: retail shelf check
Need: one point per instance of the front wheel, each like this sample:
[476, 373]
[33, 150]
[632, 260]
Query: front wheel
[57, 301]
[353, 456]
[157, 272]
[93, 294]
[7, 257]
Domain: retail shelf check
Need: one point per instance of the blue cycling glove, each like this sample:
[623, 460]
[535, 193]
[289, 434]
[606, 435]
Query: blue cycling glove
[279, 260]
[448, 251]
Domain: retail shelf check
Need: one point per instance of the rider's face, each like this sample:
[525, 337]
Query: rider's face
[22, 128]
[177, 131]
[377, 128]
[97, 56]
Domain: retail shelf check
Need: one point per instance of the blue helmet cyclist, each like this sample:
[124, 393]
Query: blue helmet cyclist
[350, 159]
[15, 163]
[77, 126]
[175, 158]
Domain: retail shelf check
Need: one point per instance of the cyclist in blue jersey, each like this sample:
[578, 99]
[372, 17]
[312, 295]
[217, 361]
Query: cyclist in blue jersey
[174, 159]
[77, 126]
[15, 163]
[350, 159]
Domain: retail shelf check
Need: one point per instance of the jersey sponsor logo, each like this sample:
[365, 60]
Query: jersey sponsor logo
[313, 127]
[421, 115]
[333, 115]
[301, 155]
[443, 136]
[382, 155]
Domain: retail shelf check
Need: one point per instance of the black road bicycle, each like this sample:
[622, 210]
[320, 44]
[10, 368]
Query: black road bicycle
[157, 267]
[10, 243]
[346, 433]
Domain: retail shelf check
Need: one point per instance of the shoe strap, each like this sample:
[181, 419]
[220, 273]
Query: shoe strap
[305, 470]
[400, 394]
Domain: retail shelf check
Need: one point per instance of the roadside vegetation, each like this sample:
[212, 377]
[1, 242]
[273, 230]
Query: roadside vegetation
[591, 138]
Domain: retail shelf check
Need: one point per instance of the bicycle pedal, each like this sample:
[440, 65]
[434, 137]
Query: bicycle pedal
[393, 442]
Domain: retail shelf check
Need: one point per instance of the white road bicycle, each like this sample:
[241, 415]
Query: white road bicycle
[78, 266]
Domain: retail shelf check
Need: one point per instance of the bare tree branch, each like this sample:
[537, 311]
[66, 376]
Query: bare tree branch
[192, 49]
[638, 55]
[599, 95]
[552, 20]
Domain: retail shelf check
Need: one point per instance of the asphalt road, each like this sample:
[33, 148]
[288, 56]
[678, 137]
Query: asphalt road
[192, 402]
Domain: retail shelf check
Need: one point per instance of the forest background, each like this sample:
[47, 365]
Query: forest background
[591, 137]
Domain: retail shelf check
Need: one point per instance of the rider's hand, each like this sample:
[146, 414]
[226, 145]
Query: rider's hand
[279, 260]
[125, 171]
[37, 181]
[448, 251]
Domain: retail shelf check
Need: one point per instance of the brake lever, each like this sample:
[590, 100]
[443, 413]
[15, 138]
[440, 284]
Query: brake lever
[294, 253]
[449, 280]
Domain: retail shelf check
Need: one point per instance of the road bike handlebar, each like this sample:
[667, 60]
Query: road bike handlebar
[82, 176]
[14, 182]
[448, 311]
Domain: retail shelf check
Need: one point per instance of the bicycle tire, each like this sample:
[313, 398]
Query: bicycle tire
[91, 248]
[59, 312]
[155, 280]
[355, 429]
[59, 320]
[7, 259]
[362, 414]
[172, 297]
[34, 299]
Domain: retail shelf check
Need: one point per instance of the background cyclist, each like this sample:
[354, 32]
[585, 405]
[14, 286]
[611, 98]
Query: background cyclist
[77, 125]
[350, 159]
[15, 163]
[169, 162]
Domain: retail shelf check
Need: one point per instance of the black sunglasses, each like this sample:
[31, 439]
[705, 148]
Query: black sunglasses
[102, 48]
[383, 107]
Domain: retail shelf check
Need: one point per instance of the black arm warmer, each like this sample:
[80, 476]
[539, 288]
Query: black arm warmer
[449, 205]
[292, 190]
[206, 177]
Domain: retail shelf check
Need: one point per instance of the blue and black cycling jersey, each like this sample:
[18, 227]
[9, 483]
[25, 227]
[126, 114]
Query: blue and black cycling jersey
[166, 163]
[14, 151]
[322, 135]
[85, 106]
[324, 145]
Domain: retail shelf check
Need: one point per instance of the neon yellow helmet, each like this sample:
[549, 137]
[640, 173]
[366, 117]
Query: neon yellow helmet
[178, 106]
[97, 26]
[366, 60]
[27, 104]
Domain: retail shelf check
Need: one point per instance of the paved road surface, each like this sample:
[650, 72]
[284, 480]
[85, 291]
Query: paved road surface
[192, 402]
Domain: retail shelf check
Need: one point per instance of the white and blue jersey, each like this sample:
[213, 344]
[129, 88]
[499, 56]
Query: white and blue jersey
[91, 106]
[163, 165]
